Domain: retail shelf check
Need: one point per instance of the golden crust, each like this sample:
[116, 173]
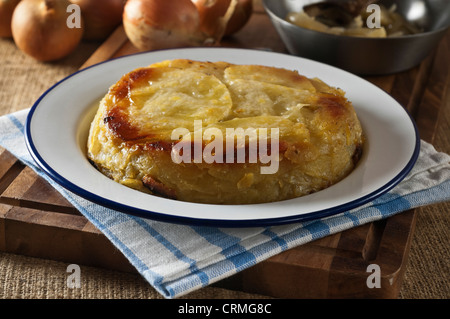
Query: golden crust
[131, 138]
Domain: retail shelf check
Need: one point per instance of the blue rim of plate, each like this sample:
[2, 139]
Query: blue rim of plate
[147, 214]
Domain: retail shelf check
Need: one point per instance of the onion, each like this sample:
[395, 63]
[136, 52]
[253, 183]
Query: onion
[156, 24]
[240, 17]
[6, 11]
[100, 17]
[39, 28]
[212, 11]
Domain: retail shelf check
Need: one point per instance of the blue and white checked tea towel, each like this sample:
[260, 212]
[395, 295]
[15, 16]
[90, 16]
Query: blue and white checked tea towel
[178, 259]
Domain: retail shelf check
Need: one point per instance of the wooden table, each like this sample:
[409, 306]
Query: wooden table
[36, 221]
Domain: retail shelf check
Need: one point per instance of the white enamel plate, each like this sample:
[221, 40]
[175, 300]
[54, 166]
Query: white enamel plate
[58, 123]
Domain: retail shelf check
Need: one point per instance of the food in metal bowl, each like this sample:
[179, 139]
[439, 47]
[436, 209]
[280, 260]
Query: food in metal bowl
[351, 19]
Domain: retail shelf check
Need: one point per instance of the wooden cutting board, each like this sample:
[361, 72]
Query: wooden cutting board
[37, 221]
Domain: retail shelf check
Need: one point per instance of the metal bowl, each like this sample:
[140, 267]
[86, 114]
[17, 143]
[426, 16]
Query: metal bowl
[365, 56]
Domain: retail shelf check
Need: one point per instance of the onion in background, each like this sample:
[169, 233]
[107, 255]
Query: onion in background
[100, 17]
[6, 11]
[211, 11]
[39, 29]
[155, 24]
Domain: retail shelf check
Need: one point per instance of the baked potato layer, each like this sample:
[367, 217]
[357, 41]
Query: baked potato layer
[131, 140]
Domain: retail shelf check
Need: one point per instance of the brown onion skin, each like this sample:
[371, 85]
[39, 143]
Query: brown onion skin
[39, 29]
[240, 17]
[210, 10]
[101, 17]
[6, 11]
[160, 24]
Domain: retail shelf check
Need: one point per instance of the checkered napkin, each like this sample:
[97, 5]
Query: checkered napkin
[178, 259]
